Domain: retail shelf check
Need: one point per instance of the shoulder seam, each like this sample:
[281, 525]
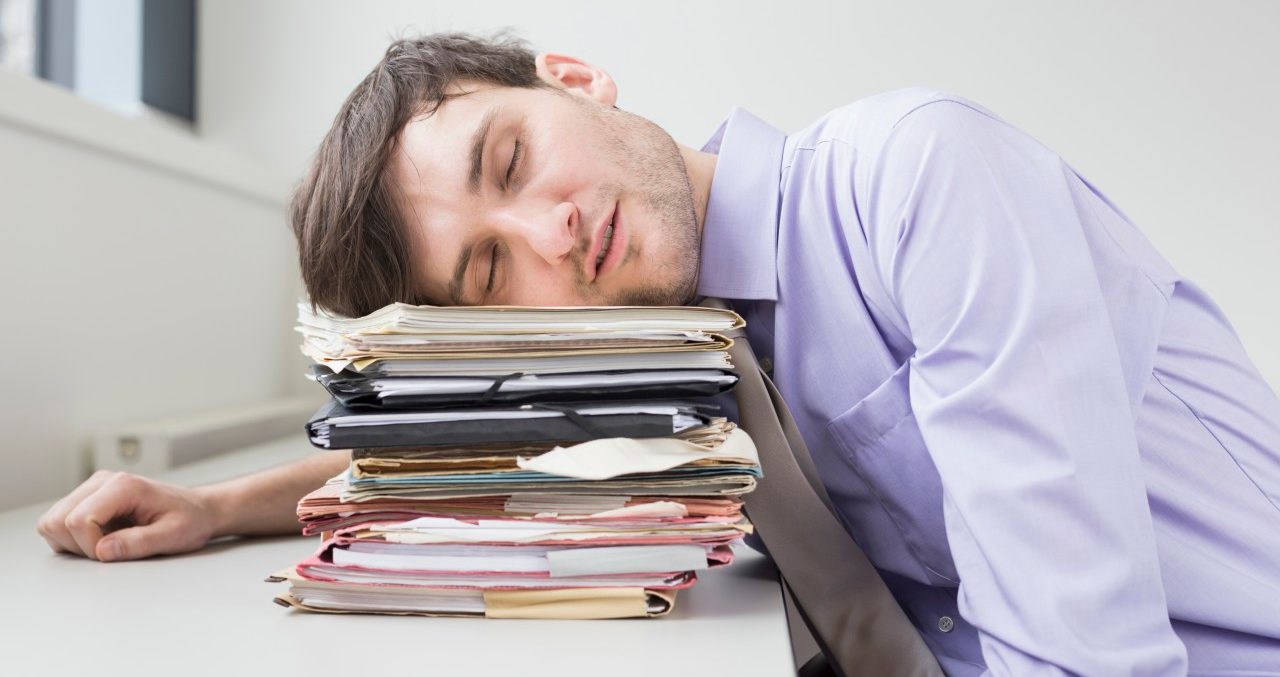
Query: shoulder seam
[943, 100]
[1155, 374]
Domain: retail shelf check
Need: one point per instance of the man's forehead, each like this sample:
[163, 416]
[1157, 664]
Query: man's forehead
[437, 144]
[430, 170]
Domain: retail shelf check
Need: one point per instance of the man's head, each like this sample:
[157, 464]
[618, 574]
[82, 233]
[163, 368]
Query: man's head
[468, 171]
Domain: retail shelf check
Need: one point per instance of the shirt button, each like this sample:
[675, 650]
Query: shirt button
[766, 365]
[945, 624]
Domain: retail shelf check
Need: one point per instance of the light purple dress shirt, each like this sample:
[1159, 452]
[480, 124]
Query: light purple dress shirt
[1052, 445]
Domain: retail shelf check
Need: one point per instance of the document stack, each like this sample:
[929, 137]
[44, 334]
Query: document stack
[520, 462]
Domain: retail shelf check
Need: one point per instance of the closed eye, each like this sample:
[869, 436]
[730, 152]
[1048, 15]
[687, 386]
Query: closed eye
[493, 268]
[517, 153]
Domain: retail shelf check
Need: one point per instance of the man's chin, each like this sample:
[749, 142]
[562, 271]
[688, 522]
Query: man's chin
[676, 293]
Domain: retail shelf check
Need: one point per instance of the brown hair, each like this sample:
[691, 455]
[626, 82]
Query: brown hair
[352, 247]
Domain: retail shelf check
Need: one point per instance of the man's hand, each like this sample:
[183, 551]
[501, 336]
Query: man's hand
[118, 516]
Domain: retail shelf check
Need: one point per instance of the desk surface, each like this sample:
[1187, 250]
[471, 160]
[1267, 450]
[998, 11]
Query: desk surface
[210, 612]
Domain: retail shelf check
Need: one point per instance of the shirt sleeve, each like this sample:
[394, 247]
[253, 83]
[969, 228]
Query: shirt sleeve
[1017, 387]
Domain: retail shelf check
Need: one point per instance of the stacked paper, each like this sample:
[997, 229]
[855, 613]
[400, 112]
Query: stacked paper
[521, 462]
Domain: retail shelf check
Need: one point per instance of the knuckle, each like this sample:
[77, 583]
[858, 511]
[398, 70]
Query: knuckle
[103, 474]
[128, 482]
[48, 525]
[76, 521]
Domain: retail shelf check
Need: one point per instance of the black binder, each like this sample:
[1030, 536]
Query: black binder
[356, 391]
[567, 422]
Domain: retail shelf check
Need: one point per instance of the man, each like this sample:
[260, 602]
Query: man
[1052, 446]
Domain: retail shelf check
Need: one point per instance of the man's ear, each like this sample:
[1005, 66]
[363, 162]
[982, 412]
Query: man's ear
[578, 77]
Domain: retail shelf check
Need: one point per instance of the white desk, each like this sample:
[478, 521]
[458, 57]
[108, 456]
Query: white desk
[211, 613]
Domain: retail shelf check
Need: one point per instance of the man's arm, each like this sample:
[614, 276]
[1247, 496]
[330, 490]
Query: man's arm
[1018, 389]
[118, 516]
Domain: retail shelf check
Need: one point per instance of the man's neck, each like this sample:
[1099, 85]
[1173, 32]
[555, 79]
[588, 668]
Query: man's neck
[701, 168]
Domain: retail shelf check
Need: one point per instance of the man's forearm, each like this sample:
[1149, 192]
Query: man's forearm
[265, 503]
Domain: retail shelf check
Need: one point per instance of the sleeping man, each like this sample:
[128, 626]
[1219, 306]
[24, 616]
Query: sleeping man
[1051, 445]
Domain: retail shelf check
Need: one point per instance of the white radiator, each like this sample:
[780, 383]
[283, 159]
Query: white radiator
[157, 446]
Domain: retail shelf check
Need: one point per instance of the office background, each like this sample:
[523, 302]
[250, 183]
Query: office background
[146, 269]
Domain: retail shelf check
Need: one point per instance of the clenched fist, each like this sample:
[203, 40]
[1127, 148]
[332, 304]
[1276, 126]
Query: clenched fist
[118, 516]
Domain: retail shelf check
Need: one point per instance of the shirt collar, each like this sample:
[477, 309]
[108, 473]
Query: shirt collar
[740, 230]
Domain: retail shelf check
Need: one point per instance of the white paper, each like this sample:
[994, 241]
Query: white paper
[560, 364]
[558, 562]
[546, 382]
[626, 559]
[402, 318]
[607, 458]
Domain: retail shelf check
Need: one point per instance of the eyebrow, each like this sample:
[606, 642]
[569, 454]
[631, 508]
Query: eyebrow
[477, 148]
[478, 141]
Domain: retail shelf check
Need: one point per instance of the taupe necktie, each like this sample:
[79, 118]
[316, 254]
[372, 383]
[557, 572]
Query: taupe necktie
[845, 603]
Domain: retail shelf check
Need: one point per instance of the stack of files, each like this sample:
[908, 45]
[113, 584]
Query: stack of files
[521, 462]
[499, 544]
[342, 502]
[426, 341]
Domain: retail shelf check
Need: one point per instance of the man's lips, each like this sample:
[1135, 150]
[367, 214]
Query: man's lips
[617, 245]
[597, 241]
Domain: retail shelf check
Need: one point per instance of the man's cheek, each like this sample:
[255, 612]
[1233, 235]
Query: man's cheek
[544, 293]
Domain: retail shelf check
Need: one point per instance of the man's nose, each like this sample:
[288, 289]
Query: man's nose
[551, 231]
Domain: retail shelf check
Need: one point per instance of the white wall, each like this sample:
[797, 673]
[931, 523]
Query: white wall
[144, 274]
[1171, 107]
[141, 275]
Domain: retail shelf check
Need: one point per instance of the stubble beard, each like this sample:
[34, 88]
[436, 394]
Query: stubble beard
[651, 158]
